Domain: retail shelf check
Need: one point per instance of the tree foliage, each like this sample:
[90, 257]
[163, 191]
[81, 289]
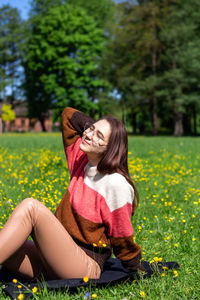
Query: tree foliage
[150, 62]
[8, 113]
[10, 39]
[62, 56]
[140, 59]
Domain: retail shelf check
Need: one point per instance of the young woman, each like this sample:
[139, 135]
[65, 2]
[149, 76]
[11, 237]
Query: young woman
[93, 218]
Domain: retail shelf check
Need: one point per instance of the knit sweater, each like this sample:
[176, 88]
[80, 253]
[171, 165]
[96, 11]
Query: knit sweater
[96, 209]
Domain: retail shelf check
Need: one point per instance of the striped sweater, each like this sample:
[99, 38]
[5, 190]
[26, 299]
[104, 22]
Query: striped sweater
[96, 209]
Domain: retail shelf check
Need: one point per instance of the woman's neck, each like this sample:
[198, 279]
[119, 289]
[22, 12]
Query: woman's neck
[93, 159]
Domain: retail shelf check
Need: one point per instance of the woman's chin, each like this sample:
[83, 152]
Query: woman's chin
[83, 147]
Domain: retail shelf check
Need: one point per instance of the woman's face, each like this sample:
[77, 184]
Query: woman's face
[95, 138]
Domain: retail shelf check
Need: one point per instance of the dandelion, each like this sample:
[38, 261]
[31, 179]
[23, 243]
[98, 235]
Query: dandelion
[104, 245]
[34, 290]
[176, 245]
[163, 274]
[14, 280]
[94, 245]
[142, 294]
[85, 279]
[175, 273]
[94, 295]
[19, 286]
[20, 297]
[193, 239]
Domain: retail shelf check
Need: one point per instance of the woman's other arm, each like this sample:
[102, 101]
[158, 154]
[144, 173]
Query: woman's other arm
[73, 125]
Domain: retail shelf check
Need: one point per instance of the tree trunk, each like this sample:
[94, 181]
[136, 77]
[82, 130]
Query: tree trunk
[178, 121]
[42, 124]
[133, 121]
[1, 126]
[154, 116]
[194, 121]
[187, 123]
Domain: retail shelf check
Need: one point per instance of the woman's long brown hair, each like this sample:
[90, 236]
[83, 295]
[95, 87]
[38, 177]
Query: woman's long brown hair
[115, 158]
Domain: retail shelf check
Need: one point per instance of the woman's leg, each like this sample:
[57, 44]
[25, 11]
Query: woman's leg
[27, 263]
[58, 250]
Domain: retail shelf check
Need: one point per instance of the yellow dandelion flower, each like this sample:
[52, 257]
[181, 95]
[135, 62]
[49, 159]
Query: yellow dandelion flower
[19, 286]
[34, 290]
[14, 280]
[94, 295]
[163, 274]
[85, 279]
[20, 297]
[193, 216]
[95, 245]
[104, 245]
[142, 294]
[100, 242]
[193, 239]
[175, 273]
[176, 245]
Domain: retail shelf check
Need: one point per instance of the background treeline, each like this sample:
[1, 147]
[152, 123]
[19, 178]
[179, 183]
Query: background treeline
[139, 60]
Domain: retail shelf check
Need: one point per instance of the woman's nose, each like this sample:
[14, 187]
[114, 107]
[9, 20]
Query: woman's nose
[89, 135]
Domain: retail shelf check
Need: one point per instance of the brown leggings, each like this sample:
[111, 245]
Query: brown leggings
[53, 252]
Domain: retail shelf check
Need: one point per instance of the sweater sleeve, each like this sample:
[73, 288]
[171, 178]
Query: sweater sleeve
[118, 220]
[73, 124]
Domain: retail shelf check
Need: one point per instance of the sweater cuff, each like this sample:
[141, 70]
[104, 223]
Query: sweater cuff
[134, 264]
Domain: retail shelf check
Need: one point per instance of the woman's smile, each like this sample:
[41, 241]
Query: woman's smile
[85, 142]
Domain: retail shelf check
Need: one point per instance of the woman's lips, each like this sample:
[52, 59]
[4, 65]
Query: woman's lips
[85, 142]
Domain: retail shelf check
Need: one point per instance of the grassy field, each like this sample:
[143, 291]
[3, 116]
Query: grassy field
[166, 171]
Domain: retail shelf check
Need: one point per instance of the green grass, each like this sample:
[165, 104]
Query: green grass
[166, 171]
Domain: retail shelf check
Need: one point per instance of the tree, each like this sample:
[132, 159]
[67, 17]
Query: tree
[180, 80]
[10, 38]
[102, 11]
[8, 114]
[42, 6]
[137, 53]
[61, 59]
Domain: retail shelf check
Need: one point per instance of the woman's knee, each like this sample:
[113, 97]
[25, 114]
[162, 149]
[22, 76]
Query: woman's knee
[29, 203]
[27, 207]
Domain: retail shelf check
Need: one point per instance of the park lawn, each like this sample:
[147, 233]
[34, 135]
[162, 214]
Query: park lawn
[166, 171]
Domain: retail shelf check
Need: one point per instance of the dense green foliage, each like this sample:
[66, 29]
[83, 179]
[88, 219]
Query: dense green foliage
[166, 224]
[136, 59]
[61, 60]
[10, 38]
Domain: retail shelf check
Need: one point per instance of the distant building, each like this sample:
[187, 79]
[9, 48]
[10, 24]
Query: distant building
[22, 123]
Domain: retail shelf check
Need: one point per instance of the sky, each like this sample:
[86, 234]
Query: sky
[22, 5]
